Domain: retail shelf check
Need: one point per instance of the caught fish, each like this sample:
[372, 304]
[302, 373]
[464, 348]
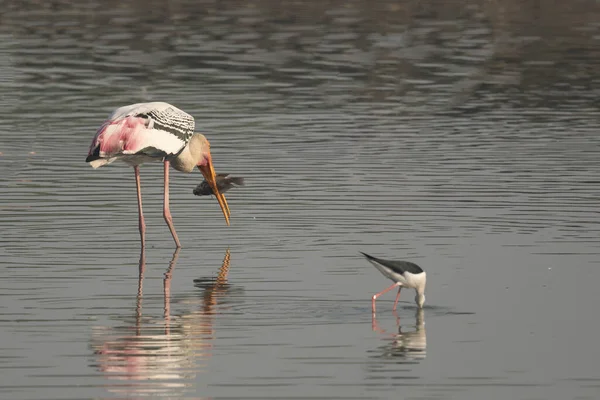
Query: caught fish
[224, 183]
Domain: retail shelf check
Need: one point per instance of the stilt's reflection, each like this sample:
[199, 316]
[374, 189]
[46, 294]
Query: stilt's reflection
[409, 344]
[158, 356]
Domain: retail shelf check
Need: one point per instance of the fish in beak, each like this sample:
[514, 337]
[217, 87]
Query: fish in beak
[224, 183]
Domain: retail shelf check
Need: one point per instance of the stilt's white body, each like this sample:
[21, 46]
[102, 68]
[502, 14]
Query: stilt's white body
[407, 279]
[404, 274]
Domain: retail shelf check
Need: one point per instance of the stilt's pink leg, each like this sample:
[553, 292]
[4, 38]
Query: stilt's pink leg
[375, 325]
[136, 169]
[397, 318]
[375, 296]
[397, 298]
[376, 328]
[166, 210]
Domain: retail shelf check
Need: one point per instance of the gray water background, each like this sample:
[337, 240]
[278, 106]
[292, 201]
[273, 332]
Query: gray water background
[460, 135]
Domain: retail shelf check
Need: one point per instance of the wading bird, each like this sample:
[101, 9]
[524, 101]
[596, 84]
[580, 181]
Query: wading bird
[404, 274]
[156, 131]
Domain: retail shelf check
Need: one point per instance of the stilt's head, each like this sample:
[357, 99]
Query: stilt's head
[420, 299]
[199, 148]
[420, 288]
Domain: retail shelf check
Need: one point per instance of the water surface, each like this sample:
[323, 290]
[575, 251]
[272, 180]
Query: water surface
[460, 136]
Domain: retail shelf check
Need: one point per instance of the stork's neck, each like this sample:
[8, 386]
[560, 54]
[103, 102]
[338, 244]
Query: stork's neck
[184, 161]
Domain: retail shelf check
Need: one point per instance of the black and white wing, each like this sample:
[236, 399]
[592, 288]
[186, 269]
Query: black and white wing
[399, 267]
[153, 130]
[161, 116]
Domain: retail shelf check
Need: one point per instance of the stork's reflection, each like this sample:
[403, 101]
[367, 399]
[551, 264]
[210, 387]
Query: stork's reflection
[409, 344]
[215, 288]
[150, 355]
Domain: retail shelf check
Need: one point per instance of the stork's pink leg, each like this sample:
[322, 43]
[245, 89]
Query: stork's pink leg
[166, 210]
[397, 298]
[138, 305]
[136, 169]
[375, 296]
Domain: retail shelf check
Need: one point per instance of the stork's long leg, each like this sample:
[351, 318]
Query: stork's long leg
[138, 305]
[166, 210]
[136, 169]
[397, 298]
[375, 296]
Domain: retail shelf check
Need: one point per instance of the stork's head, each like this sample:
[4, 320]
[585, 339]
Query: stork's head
[199, 148]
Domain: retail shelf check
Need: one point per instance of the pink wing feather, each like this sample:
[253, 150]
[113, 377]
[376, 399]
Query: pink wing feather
[121, 136]
[125, 135]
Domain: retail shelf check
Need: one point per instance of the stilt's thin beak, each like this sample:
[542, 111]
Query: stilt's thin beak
[208, 172]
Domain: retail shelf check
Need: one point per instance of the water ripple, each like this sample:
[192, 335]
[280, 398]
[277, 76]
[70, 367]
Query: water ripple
[463, 137]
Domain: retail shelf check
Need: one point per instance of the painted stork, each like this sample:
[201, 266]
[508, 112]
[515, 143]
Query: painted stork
[404, 274]
[156, 131]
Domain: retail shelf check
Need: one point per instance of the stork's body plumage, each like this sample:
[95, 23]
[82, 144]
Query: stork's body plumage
[404, 274]
[156, 131]
[141, 133]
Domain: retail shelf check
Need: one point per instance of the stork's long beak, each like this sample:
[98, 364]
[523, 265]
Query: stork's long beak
[208, 172]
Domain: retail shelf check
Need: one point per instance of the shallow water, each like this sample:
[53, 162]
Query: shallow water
[462, 136]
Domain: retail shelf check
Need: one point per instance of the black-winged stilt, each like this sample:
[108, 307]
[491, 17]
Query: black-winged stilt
[404, 274]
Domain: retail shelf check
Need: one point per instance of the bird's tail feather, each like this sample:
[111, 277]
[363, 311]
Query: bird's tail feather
[237, 181]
